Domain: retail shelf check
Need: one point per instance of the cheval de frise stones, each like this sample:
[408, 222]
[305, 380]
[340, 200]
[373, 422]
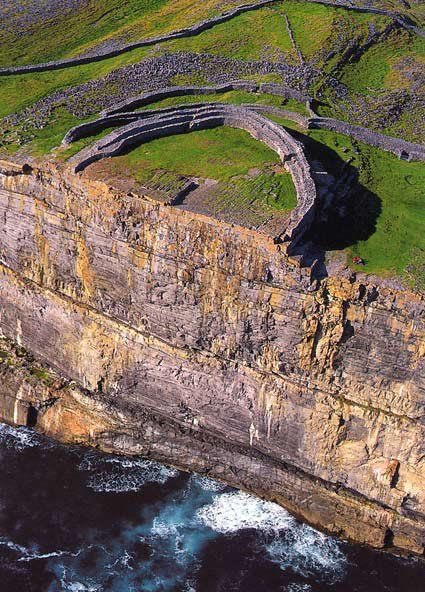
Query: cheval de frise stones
[141, 323]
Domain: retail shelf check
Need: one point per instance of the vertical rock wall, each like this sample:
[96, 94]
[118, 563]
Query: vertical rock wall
[171, 334]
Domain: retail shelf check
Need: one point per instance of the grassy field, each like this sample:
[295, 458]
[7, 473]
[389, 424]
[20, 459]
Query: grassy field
[397, 187]
[219, 153]
[243, 166]
[101, 22]
[377, 68]
[263, 34]
[260, 34]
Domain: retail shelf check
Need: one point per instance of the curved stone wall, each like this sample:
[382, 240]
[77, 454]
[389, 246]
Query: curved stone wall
[121, 114]
[145, 126]
[178, 91]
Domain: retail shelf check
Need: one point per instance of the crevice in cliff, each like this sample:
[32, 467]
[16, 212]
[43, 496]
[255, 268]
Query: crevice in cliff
[32, 416]
[389, 538]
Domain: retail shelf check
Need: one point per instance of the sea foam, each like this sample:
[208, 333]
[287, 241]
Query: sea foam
[289, 544]
[120, 475]
[230, 512]
[18, 438]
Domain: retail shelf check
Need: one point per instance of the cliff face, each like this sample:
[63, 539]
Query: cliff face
[201, 344]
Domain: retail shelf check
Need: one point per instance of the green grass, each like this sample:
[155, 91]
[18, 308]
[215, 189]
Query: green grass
[219, 153]
[263, 33]
[399, 187]
[395, 64]
[376, 68]
[63, 36]
[20, 91]
[253, 35]
[311, 24]
[258, 34]
[77, 31]
[224, 154]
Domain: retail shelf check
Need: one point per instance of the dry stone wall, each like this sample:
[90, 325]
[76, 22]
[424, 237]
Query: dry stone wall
[103, 53]
[401, 148]
[153, 124]
[179, 91]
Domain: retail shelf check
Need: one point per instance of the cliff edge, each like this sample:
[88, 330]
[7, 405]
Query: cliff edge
[140, 328]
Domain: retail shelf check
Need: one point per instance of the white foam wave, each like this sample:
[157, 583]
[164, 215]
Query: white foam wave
[34, 556]
[120, 475]
[230, 512]
[298, 588]
[288, 543]
[13, 546]
[18, 438]
[208, 484]
[76, 586]
[308, 552]
[28, 554]
[80, 587]
[122, 561]
[161, 528]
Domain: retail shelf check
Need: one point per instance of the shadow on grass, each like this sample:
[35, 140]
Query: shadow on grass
[348, 211]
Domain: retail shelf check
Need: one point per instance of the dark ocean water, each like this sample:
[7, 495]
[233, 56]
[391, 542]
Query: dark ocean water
[78, 521]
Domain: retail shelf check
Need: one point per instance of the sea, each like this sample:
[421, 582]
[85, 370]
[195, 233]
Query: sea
[76, 520]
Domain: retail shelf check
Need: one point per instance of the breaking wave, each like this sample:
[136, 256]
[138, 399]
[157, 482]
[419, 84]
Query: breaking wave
[308, 553]
[288, 543]
[161, 544]
[120, 475]
[18, 438]
[230, 512]
[208, 484]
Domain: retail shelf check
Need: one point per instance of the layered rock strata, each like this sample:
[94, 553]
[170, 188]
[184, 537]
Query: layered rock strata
[161, 332]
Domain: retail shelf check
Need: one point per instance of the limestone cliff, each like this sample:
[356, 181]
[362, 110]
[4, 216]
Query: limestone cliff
[140, 328]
